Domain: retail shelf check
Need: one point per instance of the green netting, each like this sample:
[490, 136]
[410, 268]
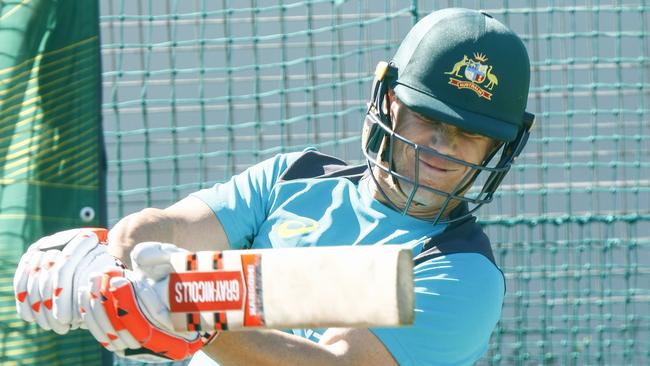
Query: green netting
[197, 91]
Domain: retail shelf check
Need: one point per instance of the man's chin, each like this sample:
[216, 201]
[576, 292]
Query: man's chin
[428, 198]
[423, 199]
[432, 200]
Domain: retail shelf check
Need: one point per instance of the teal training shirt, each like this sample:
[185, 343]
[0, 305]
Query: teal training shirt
[458, 296]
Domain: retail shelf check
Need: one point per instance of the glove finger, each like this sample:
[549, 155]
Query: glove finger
[112, 315]
[102, 329]
[29, 263]
[46, 292]
[87, 314]
[105, 313]
[155, 339]
[44, 278]
[56, 241]
[78, 242]
[91, 262]
[153, 301]
[63, 271]
[117, 339]
[98, 260]
[141, 331]
[21, 278]
[152, 259]
[33, 295]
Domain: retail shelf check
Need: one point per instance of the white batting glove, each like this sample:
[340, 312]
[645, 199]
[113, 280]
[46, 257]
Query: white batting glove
[128, 311]
[51, 271]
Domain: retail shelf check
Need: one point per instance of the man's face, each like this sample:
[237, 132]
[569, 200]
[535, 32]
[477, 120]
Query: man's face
[434, 171]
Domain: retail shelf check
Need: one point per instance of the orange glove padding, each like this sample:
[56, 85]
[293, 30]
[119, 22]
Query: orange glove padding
[120, 302]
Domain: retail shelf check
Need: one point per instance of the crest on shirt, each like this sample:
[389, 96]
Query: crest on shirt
[296, 227]
[475, 71]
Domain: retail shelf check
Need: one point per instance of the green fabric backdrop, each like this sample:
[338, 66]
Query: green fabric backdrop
[51, 154]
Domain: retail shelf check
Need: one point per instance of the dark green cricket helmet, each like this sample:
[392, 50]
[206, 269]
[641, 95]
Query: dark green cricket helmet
[460, 67]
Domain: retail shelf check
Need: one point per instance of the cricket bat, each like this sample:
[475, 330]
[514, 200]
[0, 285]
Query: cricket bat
[346, 286]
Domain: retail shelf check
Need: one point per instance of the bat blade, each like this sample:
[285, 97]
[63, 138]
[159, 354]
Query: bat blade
[358, 286]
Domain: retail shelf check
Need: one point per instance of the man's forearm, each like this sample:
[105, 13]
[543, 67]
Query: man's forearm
[149, 224]
[270, 347]
[337, 346]
[188, 224]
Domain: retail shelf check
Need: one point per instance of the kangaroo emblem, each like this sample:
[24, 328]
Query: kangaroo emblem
[476, 71]
[458, 66]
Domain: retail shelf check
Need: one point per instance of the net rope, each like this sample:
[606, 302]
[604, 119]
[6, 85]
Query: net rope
[196, 91]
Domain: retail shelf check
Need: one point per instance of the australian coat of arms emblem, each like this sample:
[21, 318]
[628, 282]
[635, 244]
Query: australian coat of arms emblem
[476, 72]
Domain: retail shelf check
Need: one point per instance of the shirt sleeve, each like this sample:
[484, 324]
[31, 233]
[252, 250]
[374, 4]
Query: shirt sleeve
[241, 203]
[458, 300]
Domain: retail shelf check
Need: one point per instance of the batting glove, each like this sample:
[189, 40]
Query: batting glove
[128, 311]
[50, 273]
